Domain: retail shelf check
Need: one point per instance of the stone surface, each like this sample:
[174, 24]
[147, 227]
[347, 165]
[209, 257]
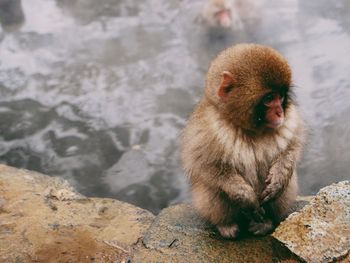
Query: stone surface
[320, 232]
[179, 235]
[42, 219]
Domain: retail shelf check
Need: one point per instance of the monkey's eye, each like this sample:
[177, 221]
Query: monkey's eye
[267, 99]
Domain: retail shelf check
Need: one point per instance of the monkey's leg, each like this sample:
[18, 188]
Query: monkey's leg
[230, 231]
[214, 206]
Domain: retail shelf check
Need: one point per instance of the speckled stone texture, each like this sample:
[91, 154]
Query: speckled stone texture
[320, 232]
[42, 219]
[178, 234]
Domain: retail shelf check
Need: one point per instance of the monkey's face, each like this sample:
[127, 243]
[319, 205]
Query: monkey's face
[250, 84]
[253, 106]
[270, 112]
[220, 13]
[223, 17]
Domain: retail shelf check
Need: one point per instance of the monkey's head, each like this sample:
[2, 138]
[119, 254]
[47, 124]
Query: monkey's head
[221, 10]
[250, 84]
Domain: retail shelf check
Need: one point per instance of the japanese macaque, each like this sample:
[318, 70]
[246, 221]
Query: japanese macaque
[243, 141]
[220, 13]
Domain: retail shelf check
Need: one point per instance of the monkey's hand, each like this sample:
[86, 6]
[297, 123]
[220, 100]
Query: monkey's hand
[274, 188]
[250, 206]
[281, 171]
[244, 196]
[255, 214]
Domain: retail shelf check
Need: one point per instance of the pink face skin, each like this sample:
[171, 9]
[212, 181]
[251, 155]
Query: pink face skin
[274, 113]
[224, 17]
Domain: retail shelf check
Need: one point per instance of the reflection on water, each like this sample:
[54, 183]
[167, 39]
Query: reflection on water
[98, 93]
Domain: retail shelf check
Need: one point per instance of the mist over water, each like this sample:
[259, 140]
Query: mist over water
[97, 92]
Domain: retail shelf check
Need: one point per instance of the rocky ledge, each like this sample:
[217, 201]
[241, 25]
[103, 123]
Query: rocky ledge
[43, 219]
[320, 232]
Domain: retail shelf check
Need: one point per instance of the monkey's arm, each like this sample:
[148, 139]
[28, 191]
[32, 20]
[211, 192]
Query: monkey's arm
[281, 171]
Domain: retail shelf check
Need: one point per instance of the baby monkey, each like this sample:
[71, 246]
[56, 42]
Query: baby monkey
[243, 141]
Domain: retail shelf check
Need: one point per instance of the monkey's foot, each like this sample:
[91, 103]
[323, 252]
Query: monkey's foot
[260, 229]
[230, 231]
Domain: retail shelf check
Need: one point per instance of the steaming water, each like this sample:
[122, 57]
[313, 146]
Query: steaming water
[97, 92]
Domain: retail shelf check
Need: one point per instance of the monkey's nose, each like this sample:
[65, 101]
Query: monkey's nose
[279, 112]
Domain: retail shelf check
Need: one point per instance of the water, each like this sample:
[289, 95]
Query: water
[98, 92]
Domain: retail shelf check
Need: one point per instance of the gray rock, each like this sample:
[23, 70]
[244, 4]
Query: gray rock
[178, 234]
[320, 232]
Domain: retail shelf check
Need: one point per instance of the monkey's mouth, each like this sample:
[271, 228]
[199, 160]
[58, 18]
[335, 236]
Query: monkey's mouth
[224, 12]
[274, 125]
[224, 17]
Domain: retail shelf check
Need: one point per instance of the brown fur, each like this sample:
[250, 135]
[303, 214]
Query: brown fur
[226, 156]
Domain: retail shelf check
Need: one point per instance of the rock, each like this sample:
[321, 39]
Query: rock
[42, 219]
[62, 194]
[179, 235]
[320, 232]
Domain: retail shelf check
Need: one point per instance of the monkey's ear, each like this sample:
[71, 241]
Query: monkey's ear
[226, 85]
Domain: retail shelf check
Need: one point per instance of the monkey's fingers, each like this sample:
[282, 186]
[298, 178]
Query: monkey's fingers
[259, 214]
[256, 215]
[267, 195]
[268, 179]
[261, 211]
[253, 216]
[271, 191]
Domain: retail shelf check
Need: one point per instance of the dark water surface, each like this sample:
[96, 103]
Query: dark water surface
[97, 92]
